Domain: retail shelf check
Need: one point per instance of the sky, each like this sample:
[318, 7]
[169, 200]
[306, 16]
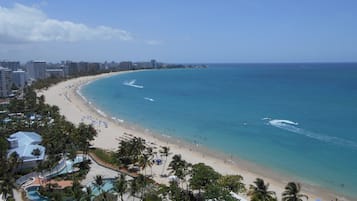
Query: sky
[179, 31]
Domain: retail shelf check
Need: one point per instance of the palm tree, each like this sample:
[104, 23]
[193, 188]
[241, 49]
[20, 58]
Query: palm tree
[98, 182]
[134, 187]
[180, 168]
[121, 186]
[76, 189]
[292, 192]
[260, 192]
[165, 151]
[88, 195]
[144, 162]
[106, 196]
[6, 187]
[232, 183]
[150, 152]
[36, 152]
[13, 162]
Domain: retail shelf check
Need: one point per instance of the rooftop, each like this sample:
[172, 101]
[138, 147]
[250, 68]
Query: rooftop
[23, 143]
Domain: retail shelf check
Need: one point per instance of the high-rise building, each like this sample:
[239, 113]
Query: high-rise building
[5, 82]
[55, 72]
[72, 67]
[125, 65]
[19, 78]
[12, 65]
[153, 63]
[36, 70]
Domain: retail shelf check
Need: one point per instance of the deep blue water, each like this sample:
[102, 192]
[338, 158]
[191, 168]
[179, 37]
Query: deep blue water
[238, 108]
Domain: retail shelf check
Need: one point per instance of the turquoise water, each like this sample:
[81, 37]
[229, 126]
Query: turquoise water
[298, 119]
[34, 195]
[107, 186]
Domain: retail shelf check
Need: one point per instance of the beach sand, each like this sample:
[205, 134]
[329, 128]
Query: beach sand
[76, 109]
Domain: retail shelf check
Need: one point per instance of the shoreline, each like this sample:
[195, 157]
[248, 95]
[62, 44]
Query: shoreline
[74, 106]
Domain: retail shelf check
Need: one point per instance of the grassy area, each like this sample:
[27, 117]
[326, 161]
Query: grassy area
[103, 155]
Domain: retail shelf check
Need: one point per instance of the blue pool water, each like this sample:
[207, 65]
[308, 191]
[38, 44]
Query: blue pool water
[298, 119]
[108, 185]
[34, 195]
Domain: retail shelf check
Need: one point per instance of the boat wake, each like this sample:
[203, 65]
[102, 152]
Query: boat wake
[131, 83]
[149, 99]
[293, 127]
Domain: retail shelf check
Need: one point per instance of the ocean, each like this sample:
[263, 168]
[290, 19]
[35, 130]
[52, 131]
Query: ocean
[296, 119]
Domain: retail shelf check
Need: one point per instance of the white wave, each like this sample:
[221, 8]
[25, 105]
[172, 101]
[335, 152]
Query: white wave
[132, 84]
[282, 122]
[292, 127]
[149, 99]
[266, 118]
[118, 120]
[101, 112]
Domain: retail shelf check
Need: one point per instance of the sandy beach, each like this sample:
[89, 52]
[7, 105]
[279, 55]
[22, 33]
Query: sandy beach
[76, 109]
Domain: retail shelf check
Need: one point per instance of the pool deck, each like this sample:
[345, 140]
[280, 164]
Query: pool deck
[96, 169]
[61, 184]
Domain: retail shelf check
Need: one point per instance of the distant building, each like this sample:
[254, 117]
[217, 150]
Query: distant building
[125, 65]
[82, 67]
[5, 82]
[36, 70]
[19, 78]
[12, 65]
[153, 63]
[72, 68]
[57, 73]
[93, 67]
[24, 144]
[65, 69]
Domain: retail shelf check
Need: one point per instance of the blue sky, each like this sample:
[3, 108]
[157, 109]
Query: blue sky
[179, 31]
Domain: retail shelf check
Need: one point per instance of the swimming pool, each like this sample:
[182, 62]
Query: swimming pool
[33, 194]
[107, 186]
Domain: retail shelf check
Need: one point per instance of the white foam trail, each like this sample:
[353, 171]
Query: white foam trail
[292, 127]
[132, 84]
[149, 99]
[282, 122]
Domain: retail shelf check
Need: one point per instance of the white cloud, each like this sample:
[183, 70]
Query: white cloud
[153, 42]
[28, 24]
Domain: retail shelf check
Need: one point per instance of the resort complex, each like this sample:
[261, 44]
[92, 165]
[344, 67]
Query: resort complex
[178, 100]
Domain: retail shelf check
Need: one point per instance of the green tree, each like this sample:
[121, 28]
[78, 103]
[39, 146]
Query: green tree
[76, 190]
[7, 184]
[259, 191]
[232, 183]
[83, 136]
[14, 161]
[218, 193]
[129, 151]
[121, 186]
[292, 192]
[165, 152]
[98, 182]
[180, 168]
[202, 176]
[36, 152]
